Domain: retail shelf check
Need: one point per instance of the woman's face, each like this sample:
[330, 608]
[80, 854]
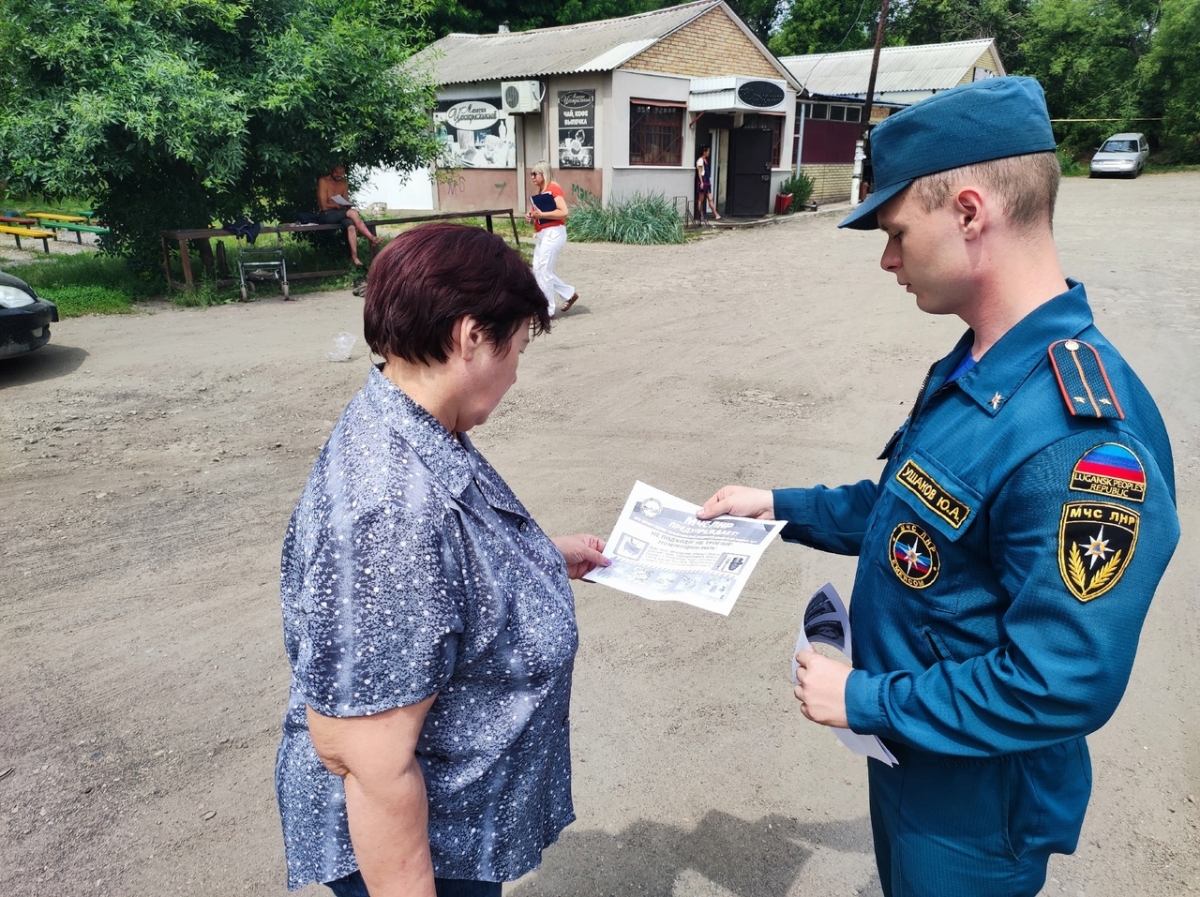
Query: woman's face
[492, 375]
[538, 180]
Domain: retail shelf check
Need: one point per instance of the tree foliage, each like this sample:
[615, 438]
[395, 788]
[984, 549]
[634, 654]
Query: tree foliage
[1171, 75]
[825, 26]
[1086, 55]
[915, 22]
[176, 113]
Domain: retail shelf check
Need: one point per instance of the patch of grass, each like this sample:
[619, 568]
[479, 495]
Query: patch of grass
[639, 219]
[89, 270]
[74, 300]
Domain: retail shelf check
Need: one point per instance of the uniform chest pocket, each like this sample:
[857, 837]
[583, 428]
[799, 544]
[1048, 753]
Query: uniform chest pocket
[924, 516]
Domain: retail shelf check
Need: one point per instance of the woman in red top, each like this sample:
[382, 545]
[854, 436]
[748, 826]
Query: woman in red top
[550, 229]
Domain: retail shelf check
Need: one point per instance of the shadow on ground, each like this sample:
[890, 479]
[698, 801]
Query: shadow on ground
[45, 363]
[748, 859]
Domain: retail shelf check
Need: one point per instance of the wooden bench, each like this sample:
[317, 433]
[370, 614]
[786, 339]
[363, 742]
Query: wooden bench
[79, 229]
[17, 221]
[55, 216]
[205, 233]
[19, 232]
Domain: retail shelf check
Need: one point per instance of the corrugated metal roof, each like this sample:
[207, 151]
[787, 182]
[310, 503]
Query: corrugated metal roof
[586, 47]
[906, 74]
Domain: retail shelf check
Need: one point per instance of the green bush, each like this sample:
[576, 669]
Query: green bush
[801, 187]
[1068, 164]
[641, 219]
[75, 300]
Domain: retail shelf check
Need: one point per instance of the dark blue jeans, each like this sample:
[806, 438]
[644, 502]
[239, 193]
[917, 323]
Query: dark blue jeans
[354, 886]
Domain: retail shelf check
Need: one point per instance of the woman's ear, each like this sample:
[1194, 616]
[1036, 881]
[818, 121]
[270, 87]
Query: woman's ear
[469, 337]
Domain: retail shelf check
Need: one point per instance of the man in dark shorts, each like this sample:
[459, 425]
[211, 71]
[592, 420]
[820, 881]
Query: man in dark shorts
[339, 210]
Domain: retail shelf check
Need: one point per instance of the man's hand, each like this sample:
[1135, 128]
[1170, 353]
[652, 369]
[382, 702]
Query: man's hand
[740, 501]
[822, 689]
[582, 552]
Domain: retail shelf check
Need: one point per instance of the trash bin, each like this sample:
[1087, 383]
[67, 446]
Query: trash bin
[783, 202]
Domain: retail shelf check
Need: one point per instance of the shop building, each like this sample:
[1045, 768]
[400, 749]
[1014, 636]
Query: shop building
[828, 119]
[618, 107]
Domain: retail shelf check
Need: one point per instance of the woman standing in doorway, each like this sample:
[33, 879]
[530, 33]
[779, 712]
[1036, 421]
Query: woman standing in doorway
[550, 236]
[704, 186]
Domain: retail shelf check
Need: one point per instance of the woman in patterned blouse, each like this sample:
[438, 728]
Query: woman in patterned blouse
[428, 620]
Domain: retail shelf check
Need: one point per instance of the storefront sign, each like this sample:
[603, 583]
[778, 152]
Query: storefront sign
[474, 134]
[760, 94]
[576, 129]
[473, 115]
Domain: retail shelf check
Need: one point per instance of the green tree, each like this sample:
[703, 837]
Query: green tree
[915, 22]
[486, 16]
[176, 113]
[1171, 72]
[760, 16]
[1085, 53]
[825, 26]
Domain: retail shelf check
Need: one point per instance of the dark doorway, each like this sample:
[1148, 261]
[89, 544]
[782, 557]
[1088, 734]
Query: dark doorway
[749, 188]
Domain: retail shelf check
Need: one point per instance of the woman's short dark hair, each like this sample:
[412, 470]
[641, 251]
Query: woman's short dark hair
[428, 278]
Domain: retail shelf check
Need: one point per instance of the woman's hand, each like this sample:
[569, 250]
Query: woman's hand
[582, 552]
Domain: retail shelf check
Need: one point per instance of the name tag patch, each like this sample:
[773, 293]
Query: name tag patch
[913, 555]
[1095, 542]
[1110, 469]
[932, 494]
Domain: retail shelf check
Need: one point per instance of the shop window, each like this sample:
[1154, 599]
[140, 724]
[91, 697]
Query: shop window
[655, 134]
[837, 113]
[820, 111]
[854, 113]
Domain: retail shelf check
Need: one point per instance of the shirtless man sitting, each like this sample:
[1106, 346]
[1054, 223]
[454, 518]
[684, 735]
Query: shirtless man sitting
[332, 212]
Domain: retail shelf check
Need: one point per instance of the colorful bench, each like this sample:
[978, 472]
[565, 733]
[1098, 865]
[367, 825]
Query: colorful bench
[19, 232]
[79, 229]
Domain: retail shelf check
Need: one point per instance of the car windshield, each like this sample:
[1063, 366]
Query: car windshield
[1119, 146]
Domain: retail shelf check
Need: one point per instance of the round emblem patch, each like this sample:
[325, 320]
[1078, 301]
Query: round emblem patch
[913, 555]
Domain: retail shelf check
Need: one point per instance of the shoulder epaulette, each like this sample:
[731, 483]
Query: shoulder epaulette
[1081, 377]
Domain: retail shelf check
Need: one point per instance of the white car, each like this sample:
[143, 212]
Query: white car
[1121, 155]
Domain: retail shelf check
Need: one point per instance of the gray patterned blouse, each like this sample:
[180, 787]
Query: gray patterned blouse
[410, 568]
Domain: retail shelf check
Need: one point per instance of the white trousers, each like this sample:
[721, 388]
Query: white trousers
[547, 244]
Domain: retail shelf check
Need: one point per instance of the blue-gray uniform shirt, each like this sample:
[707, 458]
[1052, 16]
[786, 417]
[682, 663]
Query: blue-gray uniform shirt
[1009, 551]
[410, 568]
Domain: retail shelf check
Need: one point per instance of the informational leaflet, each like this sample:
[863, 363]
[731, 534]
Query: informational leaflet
[662, 551]
[827, 622]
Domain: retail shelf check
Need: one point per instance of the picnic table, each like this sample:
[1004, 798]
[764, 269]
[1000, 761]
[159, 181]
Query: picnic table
[204, 233]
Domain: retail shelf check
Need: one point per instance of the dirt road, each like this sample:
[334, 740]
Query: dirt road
[150, 463]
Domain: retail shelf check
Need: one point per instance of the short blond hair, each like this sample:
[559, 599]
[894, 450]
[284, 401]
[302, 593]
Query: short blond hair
[1026, 186]
[542, 167]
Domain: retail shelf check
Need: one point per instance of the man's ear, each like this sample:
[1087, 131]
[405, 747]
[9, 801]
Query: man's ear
[970, 209]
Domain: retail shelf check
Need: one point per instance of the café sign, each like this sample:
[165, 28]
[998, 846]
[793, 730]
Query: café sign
[472, 115]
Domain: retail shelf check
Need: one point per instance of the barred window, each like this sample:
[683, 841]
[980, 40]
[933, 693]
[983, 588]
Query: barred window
[655, 134]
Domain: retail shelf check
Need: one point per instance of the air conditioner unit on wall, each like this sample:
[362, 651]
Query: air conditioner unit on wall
[521, 96]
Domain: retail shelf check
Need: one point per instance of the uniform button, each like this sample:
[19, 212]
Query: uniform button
[522, 526]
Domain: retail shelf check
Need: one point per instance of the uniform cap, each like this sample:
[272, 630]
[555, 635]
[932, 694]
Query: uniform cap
[990, 119]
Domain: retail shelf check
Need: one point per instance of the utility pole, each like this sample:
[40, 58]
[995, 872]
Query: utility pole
[863, 176]
[883, 11]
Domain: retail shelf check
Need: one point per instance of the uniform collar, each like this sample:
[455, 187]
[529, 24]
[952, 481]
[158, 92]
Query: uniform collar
[446, 457]
[999, 374]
